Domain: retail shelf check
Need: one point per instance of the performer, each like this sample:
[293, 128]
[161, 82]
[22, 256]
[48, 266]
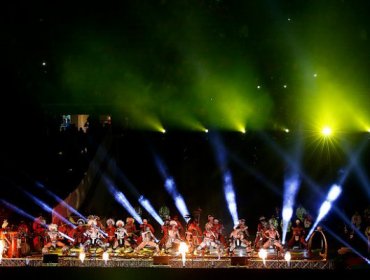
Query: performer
[78, 234]
[180, 227]
[5, 242]
[148, 239]
[194, 230]
[260, 234]
[307, 222]
[240, 243]
[174, 238]
[298, 235]
[121, 236]
[39, 233]
[94, 235]
[209, 223]
[111, 232]
[54, 240]
[189, 240]
[273, 239]
[131, 231]
[23, 233]
[209, 240]
[145, 226]
[164, 229]
[243, 227]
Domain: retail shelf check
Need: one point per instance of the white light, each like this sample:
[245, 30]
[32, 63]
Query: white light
[324, 209]
[315, 75]
[287, 214]
[43, 63]
[334, 193]
[243, 130]
[289, 19]
[148, 207]
[163, 130]
[286, 130]
[181, 206]
[1, 249]
[258, 87]
[285, 86]
[82, 256]
[183, 249]
[206, 130]
[105, 257]
[287, 256]
[326, 131]
[263, 254]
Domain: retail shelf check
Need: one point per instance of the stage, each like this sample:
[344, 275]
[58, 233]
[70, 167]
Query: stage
[169, 267]
[168, 262]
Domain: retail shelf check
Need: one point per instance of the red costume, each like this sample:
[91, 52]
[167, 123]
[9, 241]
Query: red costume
[39, 233]
[298, 234]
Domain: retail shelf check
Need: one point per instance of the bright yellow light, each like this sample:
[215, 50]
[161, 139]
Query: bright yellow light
[163, 130]
[243, 131]
[286, 130]
[326, 131]
[206, 130]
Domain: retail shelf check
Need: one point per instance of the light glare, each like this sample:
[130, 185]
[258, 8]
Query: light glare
[326, 131]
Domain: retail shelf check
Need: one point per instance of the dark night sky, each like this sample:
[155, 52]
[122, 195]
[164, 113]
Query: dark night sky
[172, 59]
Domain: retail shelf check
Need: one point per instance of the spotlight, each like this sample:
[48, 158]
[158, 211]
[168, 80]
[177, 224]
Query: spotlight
[121, 199]
[163, 130]
[148, 207]
[206, 130]
[334, 193]
[286, 130]
[326, 131]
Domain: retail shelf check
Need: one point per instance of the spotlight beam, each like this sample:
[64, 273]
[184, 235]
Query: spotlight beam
[170, 186]
[47, 208]
[220, 154]
[61, 201]
[332, 233]
[17, 210]
[291, 187]
[325, 207]
[148, 207]
[121, 199]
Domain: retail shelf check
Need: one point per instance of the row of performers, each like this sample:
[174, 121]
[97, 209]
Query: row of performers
[121, 235]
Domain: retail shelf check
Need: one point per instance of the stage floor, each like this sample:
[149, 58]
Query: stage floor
[168, 262]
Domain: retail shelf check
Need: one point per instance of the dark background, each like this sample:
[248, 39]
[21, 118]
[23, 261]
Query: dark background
[34, 97]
